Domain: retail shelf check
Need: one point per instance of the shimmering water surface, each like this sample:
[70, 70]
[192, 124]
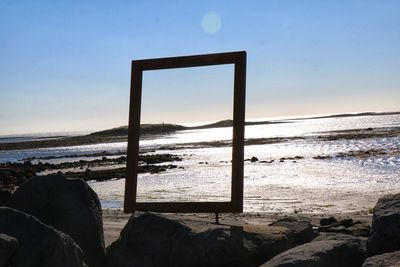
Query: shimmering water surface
[302, 185]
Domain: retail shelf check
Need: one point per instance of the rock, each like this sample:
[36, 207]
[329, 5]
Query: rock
[383, 260]
[322, 157]
[361, 229]
[358, 229]
[38, 244]
[4, 196]
[347, 226]
[8, 246]
[159, 240]
[253, 159]
[385, 232]
[267, 161]
[69, 205]
[344, 223]
[339, 237]
[302, 230]
[327, 221]
[327, 250]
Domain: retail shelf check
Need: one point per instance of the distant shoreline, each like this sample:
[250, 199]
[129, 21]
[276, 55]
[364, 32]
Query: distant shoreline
[120, 134]
[344, 115]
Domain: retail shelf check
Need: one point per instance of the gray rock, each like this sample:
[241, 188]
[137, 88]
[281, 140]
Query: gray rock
[8, 246]
[383, 260]
[327, 221]
[159, 240]
[340, 237]
[302, 231]
[38, 244]
[359, 229]
[347, 226]
[69, 205]
[385, 232]
[329, 250]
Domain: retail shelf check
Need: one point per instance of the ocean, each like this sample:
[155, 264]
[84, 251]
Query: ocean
[304, 170]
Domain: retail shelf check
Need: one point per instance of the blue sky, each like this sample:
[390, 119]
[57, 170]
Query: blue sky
[65, 65]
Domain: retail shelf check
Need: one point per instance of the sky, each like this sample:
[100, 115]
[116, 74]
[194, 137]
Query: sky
[65, 65]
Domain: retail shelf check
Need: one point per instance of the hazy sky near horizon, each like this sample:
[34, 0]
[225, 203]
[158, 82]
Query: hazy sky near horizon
[65, 65]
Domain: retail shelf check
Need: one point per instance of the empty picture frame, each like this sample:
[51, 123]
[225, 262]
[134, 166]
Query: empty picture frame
[138, 66]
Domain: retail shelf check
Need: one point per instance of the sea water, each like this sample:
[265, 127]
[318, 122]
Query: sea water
[309, 185]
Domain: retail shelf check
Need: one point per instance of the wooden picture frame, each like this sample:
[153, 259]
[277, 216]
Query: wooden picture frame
[138, 66]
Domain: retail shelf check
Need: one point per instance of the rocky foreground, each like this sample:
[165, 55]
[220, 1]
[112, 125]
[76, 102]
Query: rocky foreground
[56, 221]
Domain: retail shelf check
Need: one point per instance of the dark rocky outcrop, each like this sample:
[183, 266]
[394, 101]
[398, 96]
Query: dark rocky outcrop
[157, 240]
[12, 177]
[8, 246]
[13, 174]
[383, 260]
[38, 244]
[4, 195]
[254, 159]
[330, 250]
[385, 232]
[69, 205]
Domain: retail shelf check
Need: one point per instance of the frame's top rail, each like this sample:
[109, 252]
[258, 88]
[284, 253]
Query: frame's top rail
[190, 61]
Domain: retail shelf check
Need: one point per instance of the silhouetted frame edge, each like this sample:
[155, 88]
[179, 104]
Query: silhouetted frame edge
[238, 59]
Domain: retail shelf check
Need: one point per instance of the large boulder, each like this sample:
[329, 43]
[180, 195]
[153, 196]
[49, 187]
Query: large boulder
[69, 205]
[330, 250]
[383, 260]
[385, 232]
[38, 244]
[8, 246]
[160, 240]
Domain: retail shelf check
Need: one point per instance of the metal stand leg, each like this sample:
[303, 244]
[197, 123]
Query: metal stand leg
[216, 218]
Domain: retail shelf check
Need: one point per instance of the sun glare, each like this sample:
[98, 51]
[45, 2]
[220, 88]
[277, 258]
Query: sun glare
[211, 22]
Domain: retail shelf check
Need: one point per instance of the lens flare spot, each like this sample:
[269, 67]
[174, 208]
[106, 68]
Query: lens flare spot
[211, 22]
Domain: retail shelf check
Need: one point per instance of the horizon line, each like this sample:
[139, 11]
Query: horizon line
[193, 124]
